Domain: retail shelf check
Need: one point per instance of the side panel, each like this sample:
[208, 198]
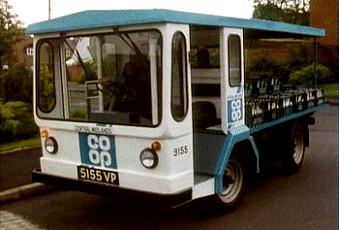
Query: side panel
[206, 155]
[232, 64]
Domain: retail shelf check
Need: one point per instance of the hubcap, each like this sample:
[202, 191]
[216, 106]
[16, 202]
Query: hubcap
[298, 148]
[234, 182]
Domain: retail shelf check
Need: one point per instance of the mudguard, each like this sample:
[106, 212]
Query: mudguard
[233, 137]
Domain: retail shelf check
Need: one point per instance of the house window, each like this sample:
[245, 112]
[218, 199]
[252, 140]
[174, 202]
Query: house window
[68, 53]
[29, 51]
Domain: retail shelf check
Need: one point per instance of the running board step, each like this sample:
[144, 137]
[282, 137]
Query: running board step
[203, 186]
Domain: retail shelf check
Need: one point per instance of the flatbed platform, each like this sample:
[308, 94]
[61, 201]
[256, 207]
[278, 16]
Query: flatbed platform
[288, 117]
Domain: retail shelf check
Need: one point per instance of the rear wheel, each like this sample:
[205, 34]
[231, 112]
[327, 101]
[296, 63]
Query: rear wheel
[234, 181]
[293, 155]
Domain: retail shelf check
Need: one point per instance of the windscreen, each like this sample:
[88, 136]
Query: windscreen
[112, 78]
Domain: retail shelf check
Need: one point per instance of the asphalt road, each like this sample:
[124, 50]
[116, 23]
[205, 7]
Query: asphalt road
[16, 167]
[306, 200]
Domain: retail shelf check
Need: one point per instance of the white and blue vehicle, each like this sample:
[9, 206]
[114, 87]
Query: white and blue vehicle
[129, 103]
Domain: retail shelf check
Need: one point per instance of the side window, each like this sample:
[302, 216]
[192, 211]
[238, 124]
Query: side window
[45, 73]
[234, 60]
[179, 98]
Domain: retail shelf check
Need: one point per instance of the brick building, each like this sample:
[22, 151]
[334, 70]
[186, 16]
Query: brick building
[23, 51]
[324, 14]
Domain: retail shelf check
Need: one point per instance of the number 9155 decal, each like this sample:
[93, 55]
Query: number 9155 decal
[180, 150]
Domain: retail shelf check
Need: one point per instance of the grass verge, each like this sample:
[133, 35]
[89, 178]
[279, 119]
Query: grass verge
[330, 90]
[32, 142]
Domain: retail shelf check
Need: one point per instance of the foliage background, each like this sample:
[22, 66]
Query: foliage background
[16, 122]
[16, 83]
[290, 11]
[11, 32]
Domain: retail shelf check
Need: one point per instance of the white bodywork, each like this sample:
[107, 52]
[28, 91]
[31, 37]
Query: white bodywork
[174, 172]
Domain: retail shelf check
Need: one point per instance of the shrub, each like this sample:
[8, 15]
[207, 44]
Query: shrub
[306, 76]
[17, 83]
[263, 67]
[17, 121]
[89, 74]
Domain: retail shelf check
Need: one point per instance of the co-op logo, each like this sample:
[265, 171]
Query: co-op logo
[98, 150]
[234, 110]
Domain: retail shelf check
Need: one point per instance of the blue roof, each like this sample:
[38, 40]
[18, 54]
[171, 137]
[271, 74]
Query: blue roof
[95, 19]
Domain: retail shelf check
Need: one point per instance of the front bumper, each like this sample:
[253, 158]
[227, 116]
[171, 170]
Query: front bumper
[117, 192]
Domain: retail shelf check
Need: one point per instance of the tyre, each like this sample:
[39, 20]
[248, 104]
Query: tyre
[234, 182]
[293, 155]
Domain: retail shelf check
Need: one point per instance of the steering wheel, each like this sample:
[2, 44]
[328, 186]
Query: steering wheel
[111, 88]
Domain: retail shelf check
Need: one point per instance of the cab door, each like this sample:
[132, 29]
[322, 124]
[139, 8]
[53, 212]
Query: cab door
[232, 78]
[177, 108]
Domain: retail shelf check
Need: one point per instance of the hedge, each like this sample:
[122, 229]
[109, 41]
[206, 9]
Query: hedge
[16, 121]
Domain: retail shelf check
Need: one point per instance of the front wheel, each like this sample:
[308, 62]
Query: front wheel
[234, 181]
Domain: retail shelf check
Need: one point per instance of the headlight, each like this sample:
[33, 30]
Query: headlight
[149, 158]
[51, 145]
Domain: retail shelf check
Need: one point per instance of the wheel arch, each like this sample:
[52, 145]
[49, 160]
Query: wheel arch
[250, 155]
[245, 142]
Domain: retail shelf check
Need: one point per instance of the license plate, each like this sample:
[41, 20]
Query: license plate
[98, 175]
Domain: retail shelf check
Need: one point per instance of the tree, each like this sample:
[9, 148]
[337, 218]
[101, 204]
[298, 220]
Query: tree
[17, 83]
[11, 32]
[290, 11]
